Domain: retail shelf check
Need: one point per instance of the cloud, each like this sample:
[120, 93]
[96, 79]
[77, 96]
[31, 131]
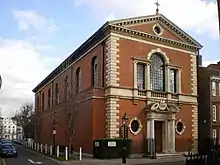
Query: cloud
[206, 63]
[32, 22]
[21, 67]
[199, 16]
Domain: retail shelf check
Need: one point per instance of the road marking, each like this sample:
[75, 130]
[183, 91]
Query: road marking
[3, 161]
[37, 153]
[33, 162]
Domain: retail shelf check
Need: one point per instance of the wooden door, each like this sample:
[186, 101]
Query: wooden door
[158, 136]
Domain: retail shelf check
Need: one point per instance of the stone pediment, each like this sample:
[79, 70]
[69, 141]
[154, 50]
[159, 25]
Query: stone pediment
[145, 24]
[162, 106]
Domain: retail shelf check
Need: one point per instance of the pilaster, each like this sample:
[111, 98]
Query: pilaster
[112, 80]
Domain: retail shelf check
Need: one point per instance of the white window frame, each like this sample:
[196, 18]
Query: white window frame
[214, 115]
[214, 133]
[213, 88]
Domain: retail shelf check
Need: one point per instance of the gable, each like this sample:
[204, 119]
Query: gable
[149, 28]
[145, 24]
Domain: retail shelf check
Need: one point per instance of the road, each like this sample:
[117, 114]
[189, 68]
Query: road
[170, 163]
[27, 157]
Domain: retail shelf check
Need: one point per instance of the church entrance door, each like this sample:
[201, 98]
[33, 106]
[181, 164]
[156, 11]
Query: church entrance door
[158, 136]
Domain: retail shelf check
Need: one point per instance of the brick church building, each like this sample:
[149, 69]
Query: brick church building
[144, 66]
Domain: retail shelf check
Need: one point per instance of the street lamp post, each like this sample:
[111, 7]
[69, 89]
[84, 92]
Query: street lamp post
[54, 136]
[124, 149]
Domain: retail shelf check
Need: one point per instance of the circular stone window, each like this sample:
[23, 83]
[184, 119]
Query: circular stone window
[135, 126]
[157, 29]
[180, 127]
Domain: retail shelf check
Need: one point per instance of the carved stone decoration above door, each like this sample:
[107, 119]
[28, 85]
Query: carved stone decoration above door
[162, 106]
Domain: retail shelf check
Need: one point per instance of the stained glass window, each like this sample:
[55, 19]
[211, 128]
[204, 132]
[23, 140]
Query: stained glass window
[94, 72]
[157, 73]
[78, 80]
[140, 76]
[173, 80]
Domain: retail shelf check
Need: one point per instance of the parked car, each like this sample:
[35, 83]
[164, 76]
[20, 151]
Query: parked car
[6, 141]
[8, 150]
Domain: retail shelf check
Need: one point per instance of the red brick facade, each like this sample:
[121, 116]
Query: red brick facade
[102, 107]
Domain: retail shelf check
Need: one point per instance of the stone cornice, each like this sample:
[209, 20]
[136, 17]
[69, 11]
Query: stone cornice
[147, 36]
[161, 19]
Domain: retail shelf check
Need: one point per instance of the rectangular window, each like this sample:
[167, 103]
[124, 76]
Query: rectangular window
[141, 76]
[173, 80]
[213, 88]
[214, 112]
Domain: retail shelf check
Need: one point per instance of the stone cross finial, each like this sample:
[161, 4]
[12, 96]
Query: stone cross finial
[157, 4]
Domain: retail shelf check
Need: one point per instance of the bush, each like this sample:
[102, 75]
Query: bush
[111, 148]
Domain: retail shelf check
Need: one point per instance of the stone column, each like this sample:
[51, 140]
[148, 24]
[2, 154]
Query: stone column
[171, 135]
[150, 136]
[166, 137]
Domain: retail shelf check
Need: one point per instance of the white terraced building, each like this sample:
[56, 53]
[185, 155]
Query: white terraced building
[11, 130]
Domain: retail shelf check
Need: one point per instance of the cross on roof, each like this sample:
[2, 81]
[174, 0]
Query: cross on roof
[157, 4]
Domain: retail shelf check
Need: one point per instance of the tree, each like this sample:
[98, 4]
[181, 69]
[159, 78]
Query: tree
[70, 114]
[25, 117]
[2, 130]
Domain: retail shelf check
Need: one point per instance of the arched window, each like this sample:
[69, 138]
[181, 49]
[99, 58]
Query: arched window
[57, 93]
[42, 101]
[78, 80]
[94, 71]
[157, 73]
[49, 97]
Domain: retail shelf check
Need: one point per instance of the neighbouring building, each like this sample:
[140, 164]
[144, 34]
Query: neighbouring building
[144, 66]
[209, 104]
[10, 129]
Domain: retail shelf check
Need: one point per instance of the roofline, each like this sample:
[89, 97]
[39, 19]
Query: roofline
[81, 47]
[200, 45]
[157, 15]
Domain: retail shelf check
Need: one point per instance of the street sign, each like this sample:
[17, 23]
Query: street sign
[33, 162]
[0, 81]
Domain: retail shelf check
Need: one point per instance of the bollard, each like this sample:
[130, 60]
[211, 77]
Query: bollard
[80, 153]
[58, 151]
[38, 147]
[41, 148]
[66, 153]
[45, 148]
[51, 150]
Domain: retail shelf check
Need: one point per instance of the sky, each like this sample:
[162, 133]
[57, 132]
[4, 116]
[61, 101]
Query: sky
[36, 35]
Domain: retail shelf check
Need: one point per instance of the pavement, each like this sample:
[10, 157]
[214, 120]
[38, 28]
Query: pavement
[28, 157]
[138, 161]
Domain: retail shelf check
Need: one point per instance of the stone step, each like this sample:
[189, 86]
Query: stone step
[169, 156]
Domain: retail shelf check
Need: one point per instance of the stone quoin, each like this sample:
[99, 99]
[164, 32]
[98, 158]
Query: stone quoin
[144, 66]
